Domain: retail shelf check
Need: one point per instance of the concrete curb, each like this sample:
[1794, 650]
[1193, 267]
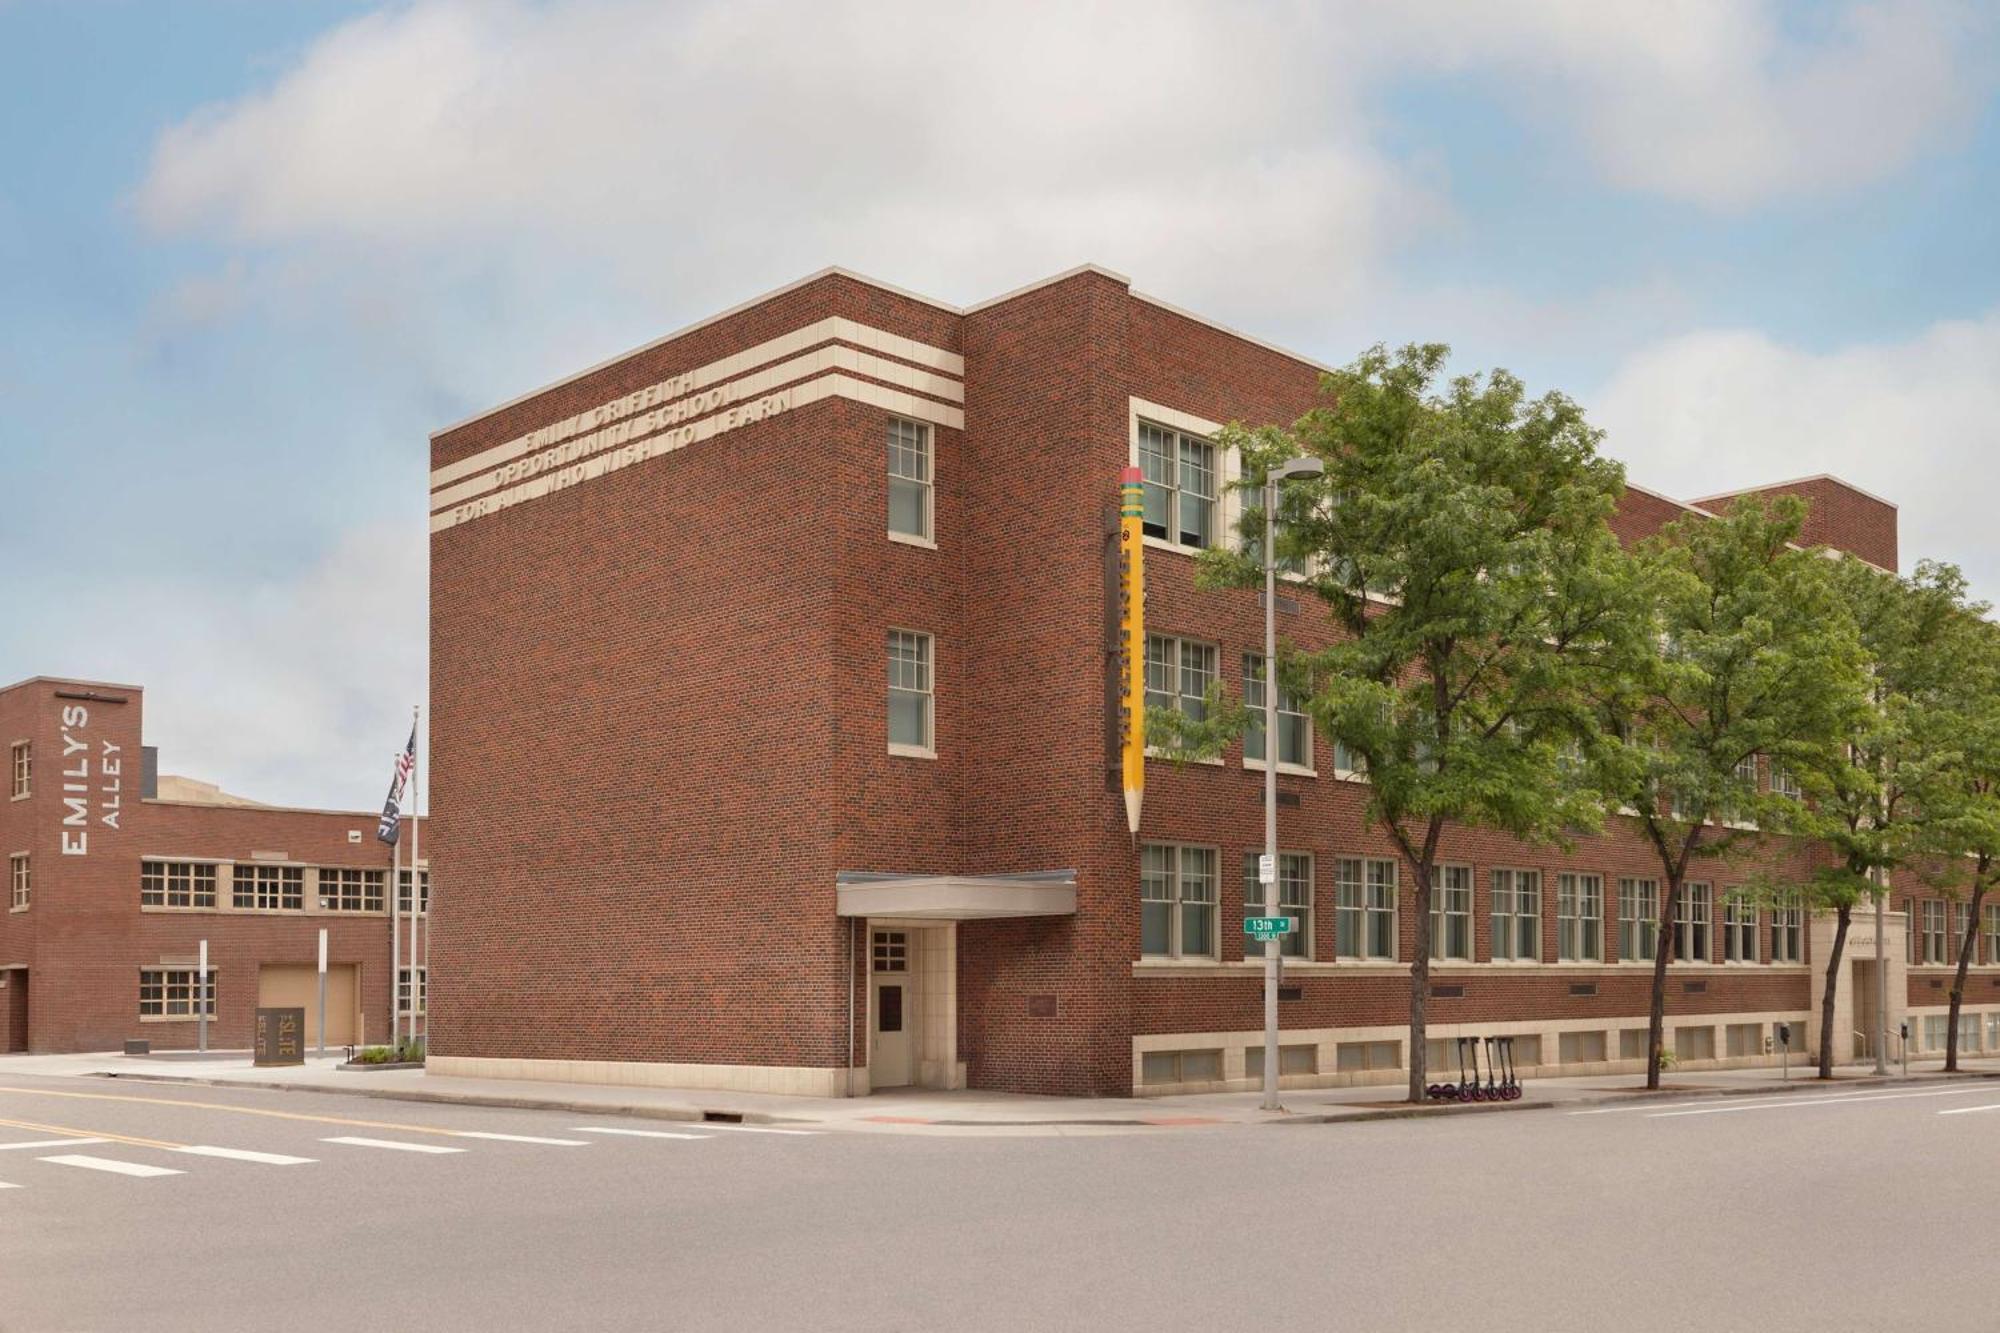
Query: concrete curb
[565, 1105]
[1405, 1111]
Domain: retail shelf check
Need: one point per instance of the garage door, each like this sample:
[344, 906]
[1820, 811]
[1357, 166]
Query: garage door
[296, 986]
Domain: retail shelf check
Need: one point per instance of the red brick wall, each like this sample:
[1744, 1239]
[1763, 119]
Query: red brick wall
[85, 937]
[1838, 516]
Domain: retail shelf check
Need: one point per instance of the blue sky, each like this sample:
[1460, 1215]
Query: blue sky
[252, 253]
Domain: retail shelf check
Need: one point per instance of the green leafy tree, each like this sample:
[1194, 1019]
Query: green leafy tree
[1738, 651]
[1969, 800]
[1459, 542]
[1886, 801]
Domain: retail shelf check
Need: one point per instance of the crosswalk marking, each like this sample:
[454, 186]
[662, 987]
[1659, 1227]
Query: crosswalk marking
[49, 1143]
[245, 1155]
[391, 1143]
[1967, 1110]
[755, 1129]
[5, 1186]
[634, 1133]
[1820, 1101]
[521, 1138]
[106, 1164]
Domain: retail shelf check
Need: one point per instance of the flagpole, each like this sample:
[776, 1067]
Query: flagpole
[395, 939]
[416, 868]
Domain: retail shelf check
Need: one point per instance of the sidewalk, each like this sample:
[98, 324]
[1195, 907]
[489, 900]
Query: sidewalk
[926, 1112]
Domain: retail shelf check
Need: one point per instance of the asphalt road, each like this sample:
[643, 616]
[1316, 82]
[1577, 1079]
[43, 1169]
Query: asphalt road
[1857, 1210]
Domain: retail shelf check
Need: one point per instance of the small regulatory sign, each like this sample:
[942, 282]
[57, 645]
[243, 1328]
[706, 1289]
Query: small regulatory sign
[1267, 927]
[1267, 868]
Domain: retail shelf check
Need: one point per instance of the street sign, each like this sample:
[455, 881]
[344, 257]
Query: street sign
[1266, 927]
[1267, 868]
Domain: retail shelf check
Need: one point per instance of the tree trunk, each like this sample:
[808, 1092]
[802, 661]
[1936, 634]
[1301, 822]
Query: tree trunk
[1420, 981]
[1965, 948]
[1656, 1014]
[1843, 915]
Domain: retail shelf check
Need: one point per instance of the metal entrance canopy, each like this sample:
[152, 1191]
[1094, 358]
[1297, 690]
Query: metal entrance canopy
[955, 897]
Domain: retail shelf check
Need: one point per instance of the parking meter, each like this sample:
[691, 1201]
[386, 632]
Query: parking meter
[1785, 1048]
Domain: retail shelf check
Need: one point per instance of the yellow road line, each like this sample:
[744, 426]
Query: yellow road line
[66, 1132]
[238, 1110]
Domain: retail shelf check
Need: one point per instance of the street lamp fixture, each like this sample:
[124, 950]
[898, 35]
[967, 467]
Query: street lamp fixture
[1292, 469]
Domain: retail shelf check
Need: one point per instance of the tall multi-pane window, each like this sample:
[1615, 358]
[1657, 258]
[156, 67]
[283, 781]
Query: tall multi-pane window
[1451, 914]
[1294, 729]
[20, 882]
[404, 998]
[1365, 907]
[1694, 920]
[269, 888]
[176, 884]
[170, 992]
[1180, 477]
[1784, 784]
[1638, 919]
[1517, 915]
[1579, 918]
[1739, 930]
[1788, 929]
[346, 889]
[1961, 916]
[910, 701]
[1295, 885]
[1989, 920]
[423, 890]
[21, 764]
[1179, 673]
[1177, 901]
[910, 503]
[1930, 940]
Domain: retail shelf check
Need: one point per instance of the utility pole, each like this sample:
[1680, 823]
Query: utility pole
[1267, 868]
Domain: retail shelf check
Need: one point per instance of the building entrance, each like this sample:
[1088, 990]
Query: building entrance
[891, 1063]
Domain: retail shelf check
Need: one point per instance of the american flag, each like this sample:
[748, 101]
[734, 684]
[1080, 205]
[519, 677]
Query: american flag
[391, 826]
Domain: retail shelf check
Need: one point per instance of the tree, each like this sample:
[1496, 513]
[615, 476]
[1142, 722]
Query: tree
[1738, 651]
[1459, 542]
[1971, 817]
[1884, 800]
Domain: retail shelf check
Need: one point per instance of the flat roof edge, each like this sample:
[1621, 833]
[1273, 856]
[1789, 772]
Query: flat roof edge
[1797, 481]
[71, 680]
[1237, 334]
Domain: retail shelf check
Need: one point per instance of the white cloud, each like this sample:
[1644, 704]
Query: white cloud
[1911, 421]
[1720, 102]
[288, 690]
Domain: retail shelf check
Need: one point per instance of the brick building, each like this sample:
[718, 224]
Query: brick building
[689, 838]
[115, 876]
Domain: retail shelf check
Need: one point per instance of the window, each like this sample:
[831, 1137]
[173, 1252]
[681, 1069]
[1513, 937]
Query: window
[1580, 918]
[1353, 1057]
[1638, 919]
[1577, 1048]
[1990, 920]
[1739, 931]
[1178, 674]
[1294, 731]
[1180, 477]
[172, 993]
[909, 479]
[403, 990]
[1451, 914]
[1157, 1067]
[1960, 918]
[1746, 772]
[344, 889]
[176, 884]
[1365, 908]
[270, 888]
[22, 765]
[423, 891]
[1295, 886]
[1694, 1043]
[20, 880]
[910, 701]
[1787, 928]
[1517, 915]
[1784, 784]
[1930, 940]
[1694, 919]
[1291, 1060]
[1176, 901]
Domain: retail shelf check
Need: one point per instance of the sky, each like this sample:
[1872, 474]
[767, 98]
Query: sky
[252, 253]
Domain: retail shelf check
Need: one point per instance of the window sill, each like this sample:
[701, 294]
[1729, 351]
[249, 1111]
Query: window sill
[22, 908]
[1163, 758]
[173, 1018]
[1284, 769]
[912, 751]
[908, 539]
[21, 795]
[174, 911]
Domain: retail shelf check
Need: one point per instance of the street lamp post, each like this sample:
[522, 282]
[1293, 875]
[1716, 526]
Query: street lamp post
[1295, 469]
